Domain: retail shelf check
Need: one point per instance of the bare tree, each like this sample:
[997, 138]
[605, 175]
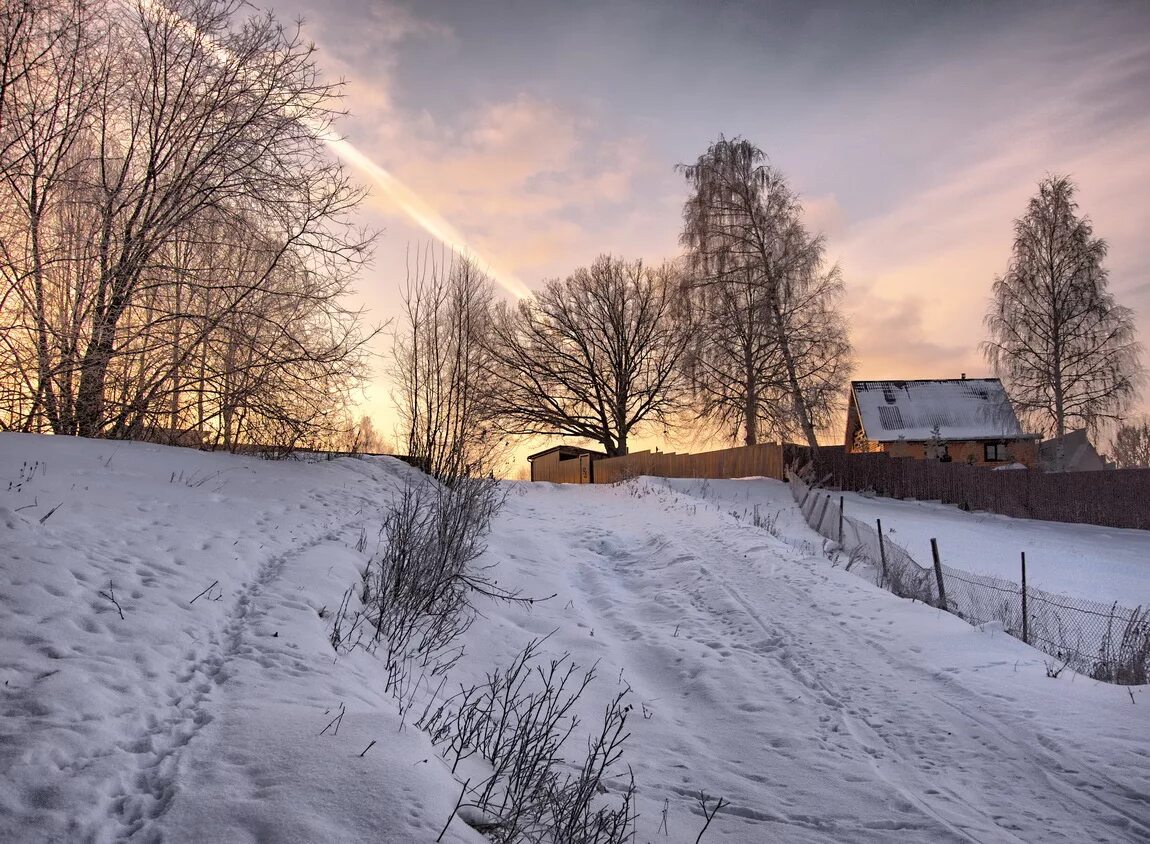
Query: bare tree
[763, 278]
[1065, 350]
[738, 374]
[53, 64]
[594, 356]
[438, 366]
[175, 243]
[818, 340]
[1130, 448]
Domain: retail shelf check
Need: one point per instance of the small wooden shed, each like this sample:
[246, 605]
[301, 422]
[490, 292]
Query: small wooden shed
[564, 464]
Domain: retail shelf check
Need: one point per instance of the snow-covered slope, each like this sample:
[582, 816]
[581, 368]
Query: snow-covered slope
[821, 708]
[1086, 561]
[193, 718]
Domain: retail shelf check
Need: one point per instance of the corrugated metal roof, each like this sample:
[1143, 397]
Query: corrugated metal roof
[961, 409]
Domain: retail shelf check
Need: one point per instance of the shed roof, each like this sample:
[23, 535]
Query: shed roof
[960, 408]
[567, 451]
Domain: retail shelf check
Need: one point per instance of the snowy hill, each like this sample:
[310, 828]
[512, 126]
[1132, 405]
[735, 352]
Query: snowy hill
[819, 707]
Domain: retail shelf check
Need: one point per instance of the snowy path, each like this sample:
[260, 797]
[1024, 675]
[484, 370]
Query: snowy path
[821, 708]
[801, 694]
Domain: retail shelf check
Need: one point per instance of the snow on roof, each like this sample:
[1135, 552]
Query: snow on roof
[961, 409]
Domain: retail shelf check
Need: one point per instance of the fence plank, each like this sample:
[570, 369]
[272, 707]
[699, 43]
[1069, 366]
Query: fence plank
[765, 460]
[1111, 498]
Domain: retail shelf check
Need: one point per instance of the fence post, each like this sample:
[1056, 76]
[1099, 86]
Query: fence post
[938, 574]
[822, 513]
[881, 552]
[1025, 622]
[840, 521]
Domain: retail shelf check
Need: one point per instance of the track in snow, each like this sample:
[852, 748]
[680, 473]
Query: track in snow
[147, 790]
[796, 691]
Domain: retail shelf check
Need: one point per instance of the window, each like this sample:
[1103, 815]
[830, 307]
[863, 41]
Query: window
[995, 452]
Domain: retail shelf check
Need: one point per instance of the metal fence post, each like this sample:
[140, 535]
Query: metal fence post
[1025, 620]
[822, 513]
[938, 574]
[881, 552]
[840, 521]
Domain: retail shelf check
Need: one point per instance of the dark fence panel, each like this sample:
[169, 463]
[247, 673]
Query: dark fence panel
[1108, 642]
[1113, 498]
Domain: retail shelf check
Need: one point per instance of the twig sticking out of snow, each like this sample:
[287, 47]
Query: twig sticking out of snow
[453, 811]
[709, 814]
[110, 595]
[48, 515]
[206, 591]
[336, 721]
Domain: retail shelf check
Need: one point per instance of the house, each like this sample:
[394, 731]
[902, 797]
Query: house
[968, 420]
[564, 464]
[1078, 454]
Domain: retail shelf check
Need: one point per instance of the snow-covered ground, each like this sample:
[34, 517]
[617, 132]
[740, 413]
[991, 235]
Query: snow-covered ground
[1086, 561]
[820, 707]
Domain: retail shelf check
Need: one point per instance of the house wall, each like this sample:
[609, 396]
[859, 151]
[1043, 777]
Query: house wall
[962, 451]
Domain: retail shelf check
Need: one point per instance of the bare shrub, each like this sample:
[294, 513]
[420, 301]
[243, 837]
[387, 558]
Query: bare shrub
[1124, 657]
[415, 599]
[518, 722]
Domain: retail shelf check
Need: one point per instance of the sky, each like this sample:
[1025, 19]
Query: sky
[547, 132]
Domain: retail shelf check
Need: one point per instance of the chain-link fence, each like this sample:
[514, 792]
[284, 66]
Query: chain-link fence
[1105, 641]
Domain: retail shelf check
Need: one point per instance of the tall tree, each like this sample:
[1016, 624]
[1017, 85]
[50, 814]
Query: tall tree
[175, 240]
[594, 356]
[439, 361]
[763, 279]
[1130, 448]
[1065, 350]
[738, 375]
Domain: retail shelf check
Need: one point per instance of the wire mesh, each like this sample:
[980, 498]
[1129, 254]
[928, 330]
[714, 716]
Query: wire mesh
[1108, 642]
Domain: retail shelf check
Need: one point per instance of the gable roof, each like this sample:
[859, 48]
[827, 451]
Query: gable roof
[961, 409]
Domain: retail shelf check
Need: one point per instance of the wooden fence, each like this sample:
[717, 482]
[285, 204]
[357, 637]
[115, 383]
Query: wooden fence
[1113, 498]
[746, 461]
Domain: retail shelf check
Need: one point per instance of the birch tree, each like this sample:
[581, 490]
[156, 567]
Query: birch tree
[176, 242]
[762, 278]
[1065, 350]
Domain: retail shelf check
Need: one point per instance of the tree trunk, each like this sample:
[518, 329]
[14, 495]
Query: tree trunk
[793, 382]
[93, 375]
[751, 417]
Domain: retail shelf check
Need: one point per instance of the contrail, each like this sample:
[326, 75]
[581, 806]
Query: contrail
[415, 207]
[410, 202]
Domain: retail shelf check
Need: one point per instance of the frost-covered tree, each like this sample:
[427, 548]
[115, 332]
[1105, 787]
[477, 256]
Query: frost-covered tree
[1065, 349]
[1131, 446]
[774, 356]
